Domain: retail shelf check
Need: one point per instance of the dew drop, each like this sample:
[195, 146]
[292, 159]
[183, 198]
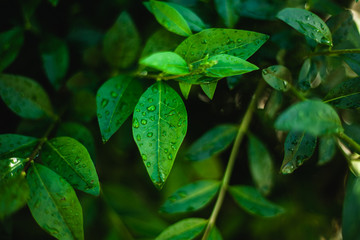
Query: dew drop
[204, 41]
[143, 113]
[107, 113]
[170, 156]
[138, 137]
[118, 86]
[150, 134]
[172, 199]
[144, 157]
[104, 102]
[166, 150]
[137, 110]
[151, 108]
[135, 123]
[143, 122]
[114, 94]
[152, 118]
[150, 100]
[148, 164]
[182, 194]
[77, 162]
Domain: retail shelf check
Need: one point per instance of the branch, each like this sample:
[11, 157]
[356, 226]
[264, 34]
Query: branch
[350, 141]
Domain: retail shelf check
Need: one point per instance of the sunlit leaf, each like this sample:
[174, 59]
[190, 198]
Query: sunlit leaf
[227, 11]
[209, 89]
[14, 145]
[188, 228]
[195, 23]
[327, 149]
[307, 75]
[168, 62]
[10, 44]
[278, 77]
[345, 95]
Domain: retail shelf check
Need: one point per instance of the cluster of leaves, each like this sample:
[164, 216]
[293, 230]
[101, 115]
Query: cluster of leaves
[53, 150]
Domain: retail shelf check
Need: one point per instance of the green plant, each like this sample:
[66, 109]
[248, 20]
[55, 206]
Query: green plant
[53, 152]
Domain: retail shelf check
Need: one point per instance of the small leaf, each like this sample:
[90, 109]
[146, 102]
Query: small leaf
[253, 202]
[185, 89]
[116, 100]
[327, 149]
[159, 127]
[14, 145]
[194, 22]
[351, 209]
[10, 44]
[191, 197]
[307, 23]
[312, 116]
[25, 97]
[227, 11]
[307, 75]
[215, 234]
[298, 147]
[188, 228]
[167, 62]
[212, 142]
[53, 204]
[345, 95]
[70, 159]
[278, 77]
[209, 89]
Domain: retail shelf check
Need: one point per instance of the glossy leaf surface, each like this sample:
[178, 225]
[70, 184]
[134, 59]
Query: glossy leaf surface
[345, 95]
[227, 11]
[351, 209]
[195, 23]
[278, 77]
[15, 145]
[167, 62]
[10, 167]
[327, 149]
[11, 42]
[188, 228]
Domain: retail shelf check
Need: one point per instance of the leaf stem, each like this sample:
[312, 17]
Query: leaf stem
[334, 52]
[234, 151]
[297, 93]
[350, 141]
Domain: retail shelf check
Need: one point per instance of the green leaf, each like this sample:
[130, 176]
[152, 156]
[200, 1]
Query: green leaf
[170, 18]
[327, 149]
[11, 167]
[121, 42]
[345, 95]
[209, 89]
[233, 81]
[353, 60]
[298, 147]
[253, 202]
[188, 228]
[55, 57]
[312, 116]
[54, 2]
[116, 100]
[259, 9]
[191, 197]
[167, 62]
[307, 75]
[185, 89]
[70, 159]
[53, 204]
[83, 105]
[307, 23]
[261, 165]
[14, 145]
[195, 23]
[278, 77]
[24, 96]
[159, 127]
[212, 142]
[227, 11]
[10, 44]
[214, 234]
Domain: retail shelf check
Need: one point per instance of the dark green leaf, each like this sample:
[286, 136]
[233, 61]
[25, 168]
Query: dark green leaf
[227, 11]
[307, 23]
[209, 89]
[327, 149]
[14, 145]
[253, 202]
[353, 60]
[24, 96]
[191, 197]
[259, 9]
[212, 142]
[345, 95]
[10, 45]
[185, 89]
[54, 2]
[194, 22]
[83, 105]
[159, 127]
[278, 77]
[53, 204]
[274, 103]
[168, 62]
[11, 167]
[115, 101]
[312, 116]
[185, 229]
[233, 81]
[298, 147]
[70, 159]
[307, 75]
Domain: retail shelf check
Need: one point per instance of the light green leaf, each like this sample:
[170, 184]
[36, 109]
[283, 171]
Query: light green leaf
[327, 149]
[121, 42]
[307, 23]
[194, 22]
[227, 11]
[253, 202]
[261, 165]
[298, 147]
[25, 97]
[10, 44]
[170, 18]
[116, 100]
[191, 197]
[312, 116]
[185, 89]
[14, 145]
[215, 234]
[345, 95]
[278, 77]
[307, 75]
[167, 62]
[159, 127]
[212, 142]
[70, 159]
[53, 204]
[188, 228]
[209, 89]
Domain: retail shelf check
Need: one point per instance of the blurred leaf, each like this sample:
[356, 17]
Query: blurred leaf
[353, 60]
[53, 204]
[307, 75]
[159, 127]
[83, 105]
[307, 23]
[253, 202]
[70, 159]
[353, 131]
[167, 62]
[278, 77]
[345, 95]
[226, 9]
[327, 149]
[325, 6]
[312, 116]
[259, 9]
[298, 147]
[214, 234]
[11, 42]
[191, 197]
[209, 89]
[14, 145]
[54, 2]
[233, 81]
[274, 104]
[24, 96]
[212, 142]
[185, 89]
[194, 22]
[188, 228]
[116, 100]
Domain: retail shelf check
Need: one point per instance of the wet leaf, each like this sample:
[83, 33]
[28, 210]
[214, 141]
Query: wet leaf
[14, 145]
[70, 159]
[345, 95]
[227, 11]
[188, 228]
[167, 62]
[159, 127]
[191, 197]
[11, 42]
[307, 75]
[53, 204]
[327, 149]
[195, 23]
[11, 167]
[209, 89]
[185, 89]
[278, 77]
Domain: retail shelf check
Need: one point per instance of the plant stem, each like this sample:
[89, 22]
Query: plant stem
[297, 93]
[334, 52]
[234, 151]
[350, 141]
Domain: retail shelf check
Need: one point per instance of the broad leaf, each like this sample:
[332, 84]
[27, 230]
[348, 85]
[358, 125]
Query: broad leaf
[327, 149]
[209, 89]
[185, 89]
[212, 142]
[168, 62]
[70, 159]
[253, 202]
[159, 127]
[14, 145]
[351, 209]
[53, 204]
[298, 147]
[188, 228]
[25, 97]
[307, 75]
[194, 22]
[10, 44]
[278, 77]
[307, 23]
[116, 100]
[227, 11]
[191, 197]
[345, 95]
[312, 116]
